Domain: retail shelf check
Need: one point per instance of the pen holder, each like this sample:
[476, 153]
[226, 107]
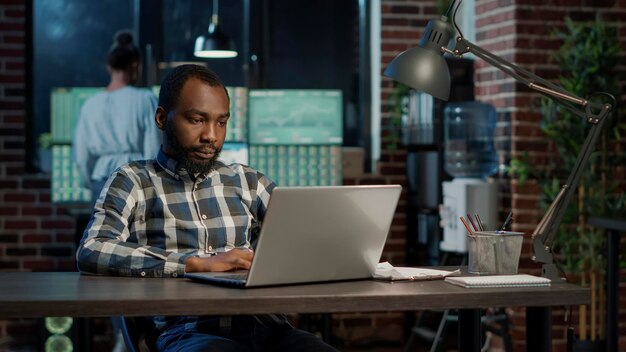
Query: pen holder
[494, 252]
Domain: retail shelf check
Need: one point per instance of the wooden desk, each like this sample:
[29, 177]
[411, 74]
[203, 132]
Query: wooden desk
[33, 295]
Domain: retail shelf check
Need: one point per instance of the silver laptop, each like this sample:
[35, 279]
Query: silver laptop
[315, 234]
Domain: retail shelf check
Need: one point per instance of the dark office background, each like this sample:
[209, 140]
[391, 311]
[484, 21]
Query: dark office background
[315, 47]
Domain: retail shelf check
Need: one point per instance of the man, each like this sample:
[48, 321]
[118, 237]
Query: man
[187, 211]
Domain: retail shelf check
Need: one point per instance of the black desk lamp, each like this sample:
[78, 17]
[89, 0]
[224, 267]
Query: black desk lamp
[424, 68]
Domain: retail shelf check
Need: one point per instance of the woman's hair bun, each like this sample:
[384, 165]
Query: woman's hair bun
[123, 54]
[123, 38]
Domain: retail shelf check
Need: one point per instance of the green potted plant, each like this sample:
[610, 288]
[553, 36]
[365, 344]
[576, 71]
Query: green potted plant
[587, 59]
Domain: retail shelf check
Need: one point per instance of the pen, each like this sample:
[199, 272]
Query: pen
[507, 221]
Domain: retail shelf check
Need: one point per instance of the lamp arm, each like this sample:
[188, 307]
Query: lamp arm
[547, 228]
[563, 97]
[594, 113]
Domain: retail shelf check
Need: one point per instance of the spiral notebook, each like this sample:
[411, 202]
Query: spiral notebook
[519, 280]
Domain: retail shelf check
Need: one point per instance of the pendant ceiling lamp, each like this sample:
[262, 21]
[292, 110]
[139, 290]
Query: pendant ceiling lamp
[216, 44]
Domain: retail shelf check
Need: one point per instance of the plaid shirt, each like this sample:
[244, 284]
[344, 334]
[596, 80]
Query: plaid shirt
[152, 215]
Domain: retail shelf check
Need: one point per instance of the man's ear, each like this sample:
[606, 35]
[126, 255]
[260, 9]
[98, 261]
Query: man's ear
[161, 118]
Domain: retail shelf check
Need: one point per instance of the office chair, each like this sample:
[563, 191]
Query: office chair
[137, 333]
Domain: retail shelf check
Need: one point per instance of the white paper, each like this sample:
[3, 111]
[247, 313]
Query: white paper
[386, 271]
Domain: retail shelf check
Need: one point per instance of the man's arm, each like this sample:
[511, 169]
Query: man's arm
[105, 248]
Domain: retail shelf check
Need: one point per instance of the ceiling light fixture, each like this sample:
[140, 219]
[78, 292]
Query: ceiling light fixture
[215, 45]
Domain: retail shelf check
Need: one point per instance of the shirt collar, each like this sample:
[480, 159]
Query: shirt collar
[173, 167]
[168, 164]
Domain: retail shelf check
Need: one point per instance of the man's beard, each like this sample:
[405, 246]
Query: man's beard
[181, 153]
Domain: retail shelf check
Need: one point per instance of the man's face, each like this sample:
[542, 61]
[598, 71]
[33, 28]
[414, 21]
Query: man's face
[195, 128]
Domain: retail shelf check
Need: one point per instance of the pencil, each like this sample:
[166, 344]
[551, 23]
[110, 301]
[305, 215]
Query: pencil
[481, 226]
[467, 226]
[469, 217]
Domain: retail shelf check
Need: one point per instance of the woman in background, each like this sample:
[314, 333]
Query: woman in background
[117, 125]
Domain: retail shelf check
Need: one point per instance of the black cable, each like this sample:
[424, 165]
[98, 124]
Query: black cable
[450, 8]
[454, 19]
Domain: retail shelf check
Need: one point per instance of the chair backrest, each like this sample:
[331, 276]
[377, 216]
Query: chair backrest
[137, 333]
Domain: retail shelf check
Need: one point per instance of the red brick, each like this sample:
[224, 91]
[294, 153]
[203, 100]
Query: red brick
[526, 131]
[395, 22]
[405, 9]
[13, 120]
[57, 224]
[7, 157]
[36, 183]
[5, 26]
[66, 265]
[8, 264]
[36, 238]
[14, 13]
[42, 210]
[13, 65]
[39, 265]
[529, 187]
[8, 211]
[44, 197]
[11, 105]
[58, 251]
[525, 203]
[29, 328]
[19, 225]
[9, 238]
[21, 251]
[9, 184]
[65, 238]
[8, 3]
[401, 34]
[528, 145]
[19, 198]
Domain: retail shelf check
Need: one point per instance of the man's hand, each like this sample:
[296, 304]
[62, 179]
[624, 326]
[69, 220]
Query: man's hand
[232, 260]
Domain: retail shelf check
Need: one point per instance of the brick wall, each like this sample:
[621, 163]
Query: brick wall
[34, 235]
[519, 31]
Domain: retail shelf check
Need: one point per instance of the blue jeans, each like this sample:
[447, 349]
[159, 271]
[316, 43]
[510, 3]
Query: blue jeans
[246, 335]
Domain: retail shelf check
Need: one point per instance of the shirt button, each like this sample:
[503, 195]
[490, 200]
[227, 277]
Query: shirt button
[143, 273]
[204, 216]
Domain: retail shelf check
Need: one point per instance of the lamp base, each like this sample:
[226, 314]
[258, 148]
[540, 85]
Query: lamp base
[552, 272]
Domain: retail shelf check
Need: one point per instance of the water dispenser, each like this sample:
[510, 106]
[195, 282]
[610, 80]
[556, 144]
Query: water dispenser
[470, 157]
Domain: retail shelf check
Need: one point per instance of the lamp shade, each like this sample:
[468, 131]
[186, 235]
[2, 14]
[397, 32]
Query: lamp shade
[423, 67]
[214, 45]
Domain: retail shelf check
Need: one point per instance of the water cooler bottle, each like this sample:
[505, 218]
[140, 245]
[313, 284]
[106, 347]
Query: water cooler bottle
[469, 157]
